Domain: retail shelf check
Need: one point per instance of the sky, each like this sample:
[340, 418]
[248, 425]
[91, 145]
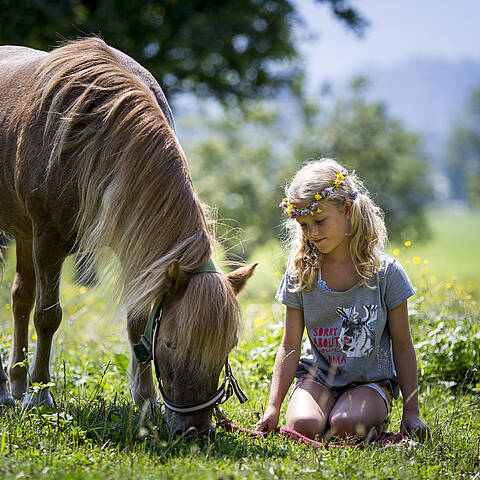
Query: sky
[399, 30]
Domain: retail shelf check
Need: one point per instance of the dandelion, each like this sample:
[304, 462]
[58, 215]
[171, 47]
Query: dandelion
[34, 336]
[7, 306]
[396, 251]
[469, 297]
[425, 262]
[407, 243]
[277, 274]
[416, 260]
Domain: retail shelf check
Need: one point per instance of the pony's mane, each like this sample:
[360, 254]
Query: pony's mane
[135, 192]
[205, 332]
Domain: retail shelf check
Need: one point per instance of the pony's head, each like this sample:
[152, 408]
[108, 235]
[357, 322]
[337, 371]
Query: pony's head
[199, 328]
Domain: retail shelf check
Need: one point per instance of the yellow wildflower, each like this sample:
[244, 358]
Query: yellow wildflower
[407, 243]
[416, 260]
[396, 251]
[318, 196]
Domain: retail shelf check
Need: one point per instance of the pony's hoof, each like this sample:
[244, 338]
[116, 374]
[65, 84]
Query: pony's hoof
[41, 399]
[6, 399]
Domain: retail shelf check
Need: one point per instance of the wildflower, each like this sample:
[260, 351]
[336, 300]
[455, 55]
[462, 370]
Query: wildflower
[396, 251]
[407, 243]
[416, 260]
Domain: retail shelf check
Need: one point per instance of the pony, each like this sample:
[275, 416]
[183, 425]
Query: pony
[90, 162]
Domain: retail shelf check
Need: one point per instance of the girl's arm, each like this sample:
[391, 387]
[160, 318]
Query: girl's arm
[406, 366]
[286, 363]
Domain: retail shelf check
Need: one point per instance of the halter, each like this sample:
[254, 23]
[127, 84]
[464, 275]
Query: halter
[144, 354]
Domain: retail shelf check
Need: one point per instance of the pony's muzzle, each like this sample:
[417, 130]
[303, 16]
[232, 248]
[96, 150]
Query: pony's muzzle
[190, 426]
[193, 434]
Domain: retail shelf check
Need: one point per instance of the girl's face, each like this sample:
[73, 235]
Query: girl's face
[329, 230]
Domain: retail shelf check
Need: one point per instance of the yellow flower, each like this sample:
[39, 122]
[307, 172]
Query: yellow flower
[277, 274]
[425, 262]
[407, 243]
[396, 251]
[340, 176]
[319, 211]
[469, 297]
[318, 196]
[416, 260]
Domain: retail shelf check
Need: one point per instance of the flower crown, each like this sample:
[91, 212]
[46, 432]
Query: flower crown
[292, 211]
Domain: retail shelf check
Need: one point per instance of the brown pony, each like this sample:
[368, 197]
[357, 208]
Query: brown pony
[89, 160]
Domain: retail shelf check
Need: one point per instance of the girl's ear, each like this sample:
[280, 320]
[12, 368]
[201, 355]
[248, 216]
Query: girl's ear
[347, 204]
[238, 278]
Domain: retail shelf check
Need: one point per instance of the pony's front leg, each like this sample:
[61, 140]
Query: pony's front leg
[142, 386]
[48, 257]
[23, 297]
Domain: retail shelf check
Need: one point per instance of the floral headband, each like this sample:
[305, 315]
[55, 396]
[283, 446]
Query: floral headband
[292, 211]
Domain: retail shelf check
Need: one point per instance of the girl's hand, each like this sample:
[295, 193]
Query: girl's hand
[412, 425]
[269, 421]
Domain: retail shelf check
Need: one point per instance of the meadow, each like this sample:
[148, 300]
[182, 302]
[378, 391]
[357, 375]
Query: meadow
[97, 432]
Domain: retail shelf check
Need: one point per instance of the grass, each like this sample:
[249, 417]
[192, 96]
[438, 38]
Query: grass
[96, 431]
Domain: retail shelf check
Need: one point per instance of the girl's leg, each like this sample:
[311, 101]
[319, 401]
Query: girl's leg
[357, 413]
[309, 408]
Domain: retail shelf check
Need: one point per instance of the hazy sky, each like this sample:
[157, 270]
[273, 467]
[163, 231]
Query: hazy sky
[399, 29]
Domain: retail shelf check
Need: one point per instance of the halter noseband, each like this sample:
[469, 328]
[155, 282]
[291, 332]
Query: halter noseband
[144, 353]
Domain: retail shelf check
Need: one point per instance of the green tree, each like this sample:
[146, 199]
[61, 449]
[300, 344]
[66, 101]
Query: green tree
[241, 161]
[232, 49]
[234, 162]
[389, 159]
[463, 153]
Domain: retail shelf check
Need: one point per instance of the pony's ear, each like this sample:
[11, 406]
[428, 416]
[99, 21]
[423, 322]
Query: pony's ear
[238, 278]
[174, 276]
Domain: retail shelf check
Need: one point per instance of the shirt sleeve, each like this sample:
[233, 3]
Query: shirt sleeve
[398, 286]
[288, 298]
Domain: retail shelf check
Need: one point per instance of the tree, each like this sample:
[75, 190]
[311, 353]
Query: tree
[241, 161]
[389, 159]
[463, 154]
[233, 49]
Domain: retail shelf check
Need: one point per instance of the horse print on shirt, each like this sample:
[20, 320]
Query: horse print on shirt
[357, 335]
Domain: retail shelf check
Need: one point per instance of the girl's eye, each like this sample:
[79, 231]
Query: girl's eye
[303, 225]
[319, 221]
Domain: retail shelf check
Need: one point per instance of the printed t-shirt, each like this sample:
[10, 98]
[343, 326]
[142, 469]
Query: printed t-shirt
[348, 340]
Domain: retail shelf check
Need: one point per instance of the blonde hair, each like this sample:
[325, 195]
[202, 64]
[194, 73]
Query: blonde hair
[368, 235]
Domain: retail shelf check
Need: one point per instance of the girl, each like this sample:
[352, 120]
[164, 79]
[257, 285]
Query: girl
[352, 300]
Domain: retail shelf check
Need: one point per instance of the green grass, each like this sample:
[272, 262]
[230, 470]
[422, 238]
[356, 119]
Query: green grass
[453, 249]
[96, 431]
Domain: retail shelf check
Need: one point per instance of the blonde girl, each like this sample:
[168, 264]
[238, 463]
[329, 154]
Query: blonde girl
[352, 300]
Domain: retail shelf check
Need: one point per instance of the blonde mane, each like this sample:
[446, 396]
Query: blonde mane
[109, 141]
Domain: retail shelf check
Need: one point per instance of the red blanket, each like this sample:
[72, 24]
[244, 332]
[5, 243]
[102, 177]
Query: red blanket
[383, 439]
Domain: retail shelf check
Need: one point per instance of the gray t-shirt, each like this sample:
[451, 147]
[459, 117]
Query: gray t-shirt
[348, 339]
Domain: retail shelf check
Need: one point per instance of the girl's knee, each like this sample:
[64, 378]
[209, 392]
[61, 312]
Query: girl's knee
[309, 426]
[347, 425]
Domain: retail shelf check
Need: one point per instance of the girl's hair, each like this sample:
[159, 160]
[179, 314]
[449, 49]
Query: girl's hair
[368, 234]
